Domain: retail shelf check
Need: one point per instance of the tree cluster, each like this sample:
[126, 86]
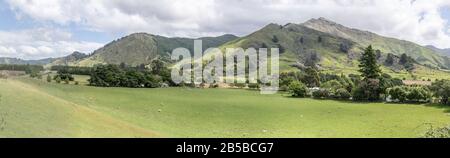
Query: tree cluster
[409, 94]
[75, 70]
[133, 77]
[27, 68]
[441, 89]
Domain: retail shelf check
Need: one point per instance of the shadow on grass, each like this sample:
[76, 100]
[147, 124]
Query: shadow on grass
[439, 106]
[434, 105]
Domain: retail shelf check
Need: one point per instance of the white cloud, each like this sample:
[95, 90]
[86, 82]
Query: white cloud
[41, 43]
[414, 20]
[7, 50]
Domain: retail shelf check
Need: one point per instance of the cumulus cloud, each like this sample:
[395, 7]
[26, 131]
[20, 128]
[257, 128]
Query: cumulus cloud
[41, 43]
[415, 20]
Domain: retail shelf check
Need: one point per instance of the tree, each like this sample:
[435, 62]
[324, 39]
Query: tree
[287, 78]
[378, 54]
[389, 60]
[312, 78]
[264, 45]
[418, 94]
[157, 66]
[66, 80]
[35, 74]
[63, 74]
[114, 76]
[346, 82]
[74, 70]
[407, 62]
[321, 93]
[311, 59]
[345, 47]
[403, 59]
[399, 93]
[49, 78]
[123, 65]
[441, 89]
[141, 67]
[371, 85]
[297, 89]
[275, 39]
[27, 68]
[106, 76]
[332, 85]
[253, 86]
[368, 64]
[342, 94]
[368, 89]
[58, 79]
[413, 94]
[356, 79]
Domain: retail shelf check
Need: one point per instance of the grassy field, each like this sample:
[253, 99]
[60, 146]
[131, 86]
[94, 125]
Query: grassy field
[35, 108]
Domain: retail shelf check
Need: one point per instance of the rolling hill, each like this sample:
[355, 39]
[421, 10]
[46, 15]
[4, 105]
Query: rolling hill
[141, 48]
[68, 60]
[445, 52]
[17, 61]
[75, 56]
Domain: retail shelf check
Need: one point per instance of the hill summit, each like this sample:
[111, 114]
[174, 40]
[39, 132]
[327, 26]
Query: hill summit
[421, 54]
[141, 48]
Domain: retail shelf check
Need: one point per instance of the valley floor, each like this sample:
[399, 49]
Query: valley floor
[35, 108]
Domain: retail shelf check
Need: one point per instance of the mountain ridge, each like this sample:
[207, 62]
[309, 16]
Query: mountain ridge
[395, 46]
[336, 45]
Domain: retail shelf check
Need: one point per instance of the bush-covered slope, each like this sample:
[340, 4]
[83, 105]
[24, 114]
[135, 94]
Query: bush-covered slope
[141, 48]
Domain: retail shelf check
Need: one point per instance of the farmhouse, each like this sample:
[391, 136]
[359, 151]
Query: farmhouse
[416, 83]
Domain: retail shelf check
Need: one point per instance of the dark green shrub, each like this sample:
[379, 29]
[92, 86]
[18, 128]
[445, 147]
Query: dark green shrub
[35, 74]
[418, 94]
[297, 89]
[333, 85]
[342, 94]
[215, 85]
[441, 89]
[367, 90]
[254, 86]
[321, 93]
[239, 85]
[412, 94]
[311, 78]
[49, 78]
[66, 80]
[399, 93]
[58, 79]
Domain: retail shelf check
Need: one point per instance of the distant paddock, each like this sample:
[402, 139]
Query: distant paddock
[7, 73]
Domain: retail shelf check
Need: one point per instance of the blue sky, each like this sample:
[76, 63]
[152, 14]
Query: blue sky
[445, 13]
[34, 29]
